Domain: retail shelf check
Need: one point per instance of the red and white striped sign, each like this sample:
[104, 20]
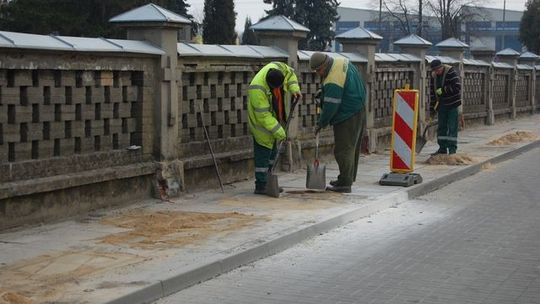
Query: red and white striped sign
[404, 120]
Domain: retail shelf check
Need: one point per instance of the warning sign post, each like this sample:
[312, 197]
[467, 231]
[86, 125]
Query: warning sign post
[402, 154]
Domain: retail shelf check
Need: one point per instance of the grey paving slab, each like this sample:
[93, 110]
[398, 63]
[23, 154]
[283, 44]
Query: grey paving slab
[373, 261]
[122, 272]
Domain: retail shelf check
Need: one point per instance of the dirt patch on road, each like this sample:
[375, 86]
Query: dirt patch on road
[512, 138]
[451, 160]
[171, 228]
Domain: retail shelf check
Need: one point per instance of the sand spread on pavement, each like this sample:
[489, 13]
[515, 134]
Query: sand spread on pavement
[50, 277]
[488, 167]
[289, 200]
[7, 297]
[160, 229]
[512, 138]
[457, 159]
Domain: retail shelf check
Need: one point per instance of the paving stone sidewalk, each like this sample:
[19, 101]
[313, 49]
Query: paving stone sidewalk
[152, 248]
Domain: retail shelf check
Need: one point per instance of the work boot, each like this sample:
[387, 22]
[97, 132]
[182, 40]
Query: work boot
[262, 190]
[342, 189]
[438, 152]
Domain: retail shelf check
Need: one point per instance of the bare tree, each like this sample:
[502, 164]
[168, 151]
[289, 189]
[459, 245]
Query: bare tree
[402, 12]
[452, 13]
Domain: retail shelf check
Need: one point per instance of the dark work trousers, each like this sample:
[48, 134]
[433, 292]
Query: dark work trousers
[264, 159]
[447, 131]
[347, 145]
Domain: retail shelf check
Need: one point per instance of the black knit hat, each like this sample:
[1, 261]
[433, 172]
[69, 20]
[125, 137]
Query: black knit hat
[274, 78]
[435, 64]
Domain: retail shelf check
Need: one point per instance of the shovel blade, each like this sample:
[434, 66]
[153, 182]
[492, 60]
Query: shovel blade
[272, 185]
[316, 177]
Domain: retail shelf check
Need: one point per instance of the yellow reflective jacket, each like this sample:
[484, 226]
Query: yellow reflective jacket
[263, 124]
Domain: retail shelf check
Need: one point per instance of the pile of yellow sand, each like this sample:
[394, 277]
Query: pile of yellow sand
[171, 228]
[512, 138]
[451, 160]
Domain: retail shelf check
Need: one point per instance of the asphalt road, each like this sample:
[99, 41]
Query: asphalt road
[475, 241]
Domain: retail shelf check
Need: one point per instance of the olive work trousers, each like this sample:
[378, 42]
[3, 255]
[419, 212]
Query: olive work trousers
[347, 145]
[264, 159]
[447, 130]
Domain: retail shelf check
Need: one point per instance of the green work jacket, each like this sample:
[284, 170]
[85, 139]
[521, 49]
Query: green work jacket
[343, 93]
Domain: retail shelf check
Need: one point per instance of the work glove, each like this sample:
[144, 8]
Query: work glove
[297, 96]
[439, 91]
[283, 146]
[318, 96]
[280, 134]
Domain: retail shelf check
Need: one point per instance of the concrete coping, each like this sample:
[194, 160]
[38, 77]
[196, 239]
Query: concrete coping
[353, 57]
[14, 40]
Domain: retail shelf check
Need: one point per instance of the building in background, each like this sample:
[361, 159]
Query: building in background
[485, 30]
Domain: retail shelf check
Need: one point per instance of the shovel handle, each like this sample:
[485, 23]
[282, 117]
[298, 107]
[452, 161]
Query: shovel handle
[317, 148]
[287, 123]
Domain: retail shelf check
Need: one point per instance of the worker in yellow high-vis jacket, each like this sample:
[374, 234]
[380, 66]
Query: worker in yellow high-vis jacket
[268, 109]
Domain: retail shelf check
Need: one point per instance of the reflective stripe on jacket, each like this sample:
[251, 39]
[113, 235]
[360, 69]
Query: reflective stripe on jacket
[343, 91]
[262, 117]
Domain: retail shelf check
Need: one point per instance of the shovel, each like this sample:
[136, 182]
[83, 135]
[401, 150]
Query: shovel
[316, 173]
[272, 184]
[421, 141]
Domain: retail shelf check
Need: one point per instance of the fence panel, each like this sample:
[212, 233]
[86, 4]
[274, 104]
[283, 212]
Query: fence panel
[501, 91]
[523, 90]
[50, 115]
[386, 81]
[474, 90]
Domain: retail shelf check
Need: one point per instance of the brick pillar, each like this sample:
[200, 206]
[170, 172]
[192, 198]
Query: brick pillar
[167, 100]
[149, 23]
[491, 80]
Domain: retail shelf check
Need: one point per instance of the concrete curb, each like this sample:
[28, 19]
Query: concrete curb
[440, 182]
[285, 239]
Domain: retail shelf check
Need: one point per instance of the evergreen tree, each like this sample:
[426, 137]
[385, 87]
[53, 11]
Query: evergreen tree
[317, 15]
[249, 37]
[219, 22]
[89, 18]
[67, 17]
[179, 7]
[529, 29]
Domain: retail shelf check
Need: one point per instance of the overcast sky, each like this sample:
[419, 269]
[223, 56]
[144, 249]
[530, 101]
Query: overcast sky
[255, 8]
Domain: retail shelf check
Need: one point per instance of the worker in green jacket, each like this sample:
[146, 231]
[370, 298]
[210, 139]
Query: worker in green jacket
[268, 109]
[342, 99]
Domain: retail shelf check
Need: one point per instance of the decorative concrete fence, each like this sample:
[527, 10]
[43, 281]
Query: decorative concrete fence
[87, 123]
